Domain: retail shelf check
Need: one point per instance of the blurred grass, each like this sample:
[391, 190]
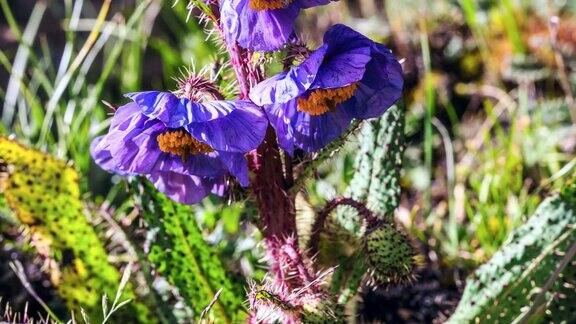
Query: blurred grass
[480, 156]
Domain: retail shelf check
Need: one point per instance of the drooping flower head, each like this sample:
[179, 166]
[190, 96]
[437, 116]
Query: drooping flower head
[348, 77]
[185, 148]
[262, 25]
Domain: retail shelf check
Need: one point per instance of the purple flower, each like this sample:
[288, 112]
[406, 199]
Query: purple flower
[313, 103]
[185, 148]
[262, 25]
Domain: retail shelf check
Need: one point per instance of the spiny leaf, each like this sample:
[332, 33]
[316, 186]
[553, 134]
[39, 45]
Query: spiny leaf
[506, 287]
[376, 180]
[379, 162]
[44, 195]
[187, 261]
[377, 183]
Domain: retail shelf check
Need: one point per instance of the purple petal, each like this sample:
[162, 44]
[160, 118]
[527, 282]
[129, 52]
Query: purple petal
[241, 130]
[280, 116]
[341, 38]
[312, 3]
[237, 165]
[262, 30]
[204, 165]
[122, 120]
[346, 58]
[182, 188]
[124, 113]
[176, 112]
[104, 159]
[163, 106]
[312, 133]
[130, 146]
[381, 86]
[138, 150]
[286, 86]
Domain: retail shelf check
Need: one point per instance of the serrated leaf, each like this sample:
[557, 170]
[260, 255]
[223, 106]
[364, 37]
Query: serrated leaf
[187, 261]
[44, 194]
[506, 286]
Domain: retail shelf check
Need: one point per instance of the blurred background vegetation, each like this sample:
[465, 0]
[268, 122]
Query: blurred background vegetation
[490, 125]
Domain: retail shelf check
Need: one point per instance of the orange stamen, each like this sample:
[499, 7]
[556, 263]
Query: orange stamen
[321, 101]
[269, 4]
[181, 143]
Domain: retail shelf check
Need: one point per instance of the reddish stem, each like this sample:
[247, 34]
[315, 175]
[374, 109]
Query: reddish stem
[276, 206]
[240, 60]
[269, 184]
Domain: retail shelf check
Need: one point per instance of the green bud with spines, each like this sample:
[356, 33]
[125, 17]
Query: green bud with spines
[390, 255]
[376, 182]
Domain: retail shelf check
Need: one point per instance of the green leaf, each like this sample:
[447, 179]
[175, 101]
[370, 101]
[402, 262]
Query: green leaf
[524, 280]
[44, 195]
[180, 253]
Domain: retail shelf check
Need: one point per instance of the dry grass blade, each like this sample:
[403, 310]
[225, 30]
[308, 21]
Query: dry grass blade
[63, 83]
[21, 274]
[209, 307]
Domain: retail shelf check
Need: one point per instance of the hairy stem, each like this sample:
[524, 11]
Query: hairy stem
[271, 178]
[239, 58]
[275, 204]
[306, 168]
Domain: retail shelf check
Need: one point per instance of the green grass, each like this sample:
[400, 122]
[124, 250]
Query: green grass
[472, 176]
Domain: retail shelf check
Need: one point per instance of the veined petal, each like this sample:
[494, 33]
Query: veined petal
[124, 113]
[312, 3]
[124, 119]
[312, 133]
[242, 130]
[129, 147]
[262, 30]
[347, 54]
[183, 188]
[341, 38]
[132, 148]
[280, 116]
[381, 85]
[237, 166]
[163, 106]
[286, 86]
[176, 112]
[204, 165]
[103, 158]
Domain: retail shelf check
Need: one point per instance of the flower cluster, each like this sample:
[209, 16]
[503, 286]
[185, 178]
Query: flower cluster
[186, 149]
[189, 148]
[348, 77]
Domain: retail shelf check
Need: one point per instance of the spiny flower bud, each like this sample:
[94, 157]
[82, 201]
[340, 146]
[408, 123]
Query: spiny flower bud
[294, 293]
[272, 302]
[390, 255]
[296, 52]
[197, 87]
